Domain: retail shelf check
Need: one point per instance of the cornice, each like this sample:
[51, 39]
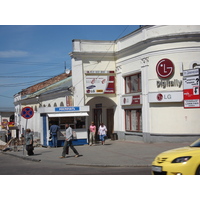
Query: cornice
[142, 45]
[138, 47]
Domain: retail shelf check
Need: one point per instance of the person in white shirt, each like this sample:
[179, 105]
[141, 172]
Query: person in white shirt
[68, 142]
[102, 133]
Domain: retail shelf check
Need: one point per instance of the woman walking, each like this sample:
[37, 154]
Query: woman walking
[102, 133]
[92, 133]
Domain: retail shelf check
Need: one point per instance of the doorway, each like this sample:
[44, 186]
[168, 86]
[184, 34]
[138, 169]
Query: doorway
[110, 122]
[97, 117]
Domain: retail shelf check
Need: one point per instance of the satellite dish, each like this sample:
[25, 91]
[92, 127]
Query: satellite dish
[67, 71]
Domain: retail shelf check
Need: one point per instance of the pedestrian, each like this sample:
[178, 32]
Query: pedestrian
[29, 142]
[92, 133]
[68, 143]
[102, 133]
[53, 134]
[9, 136]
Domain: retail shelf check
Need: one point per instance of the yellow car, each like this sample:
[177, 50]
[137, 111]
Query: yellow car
[180, 161]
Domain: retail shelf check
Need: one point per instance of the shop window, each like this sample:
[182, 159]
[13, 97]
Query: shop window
[74, 122]
[133, 120]
[133, 83]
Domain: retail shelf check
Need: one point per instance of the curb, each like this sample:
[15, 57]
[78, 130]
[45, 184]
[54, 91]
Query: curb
[23, 157]
[108, 165]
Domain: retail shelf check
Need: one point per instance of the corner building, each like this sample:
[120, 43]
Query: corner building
[134, 85]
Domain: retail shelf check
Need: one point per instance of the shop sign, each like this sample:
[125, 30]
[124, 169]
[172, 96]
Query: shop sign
[67, 109]
[165, 69]
[169, 83]
[130, 100]
[191, 72]
[4, 123]
[165, 97]
[191, 88]
[100, 83]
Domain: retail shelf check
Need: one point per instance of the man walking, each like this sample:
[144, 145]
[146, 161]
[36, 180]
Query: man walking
[53, 132]
[68, 142]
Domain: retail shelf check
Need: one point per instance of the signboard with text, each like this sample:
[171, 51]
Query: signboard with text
[100, 82]
[191, 88]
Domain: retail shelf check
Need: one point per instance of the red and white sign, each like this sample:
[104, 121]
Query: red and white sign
[130, 100]
[165, 68]
[100, 84]
[163, 97]
[191, 89]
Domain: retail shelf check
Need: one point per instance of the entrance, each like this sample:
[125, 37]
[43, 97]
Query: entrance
[97, 120]
[102, 110]
[97, 117]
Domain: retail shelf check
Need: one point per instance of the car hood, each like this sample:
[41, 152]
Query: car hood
[183, 151]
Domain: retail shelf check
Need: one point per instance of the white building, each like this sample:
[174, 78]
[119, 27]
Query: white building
[50, 102]
[134, 85]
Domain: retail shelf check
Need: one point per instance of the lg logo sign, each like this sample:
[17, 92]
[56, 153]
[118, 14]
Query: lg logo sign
[165, 68]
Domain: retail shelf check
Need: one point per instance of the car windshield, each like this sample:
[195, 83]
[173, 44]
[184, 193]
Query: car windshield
[196, 143]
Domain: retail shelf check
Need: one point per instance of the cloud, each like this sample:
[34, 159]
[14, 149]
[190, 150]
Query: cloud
[13, 54]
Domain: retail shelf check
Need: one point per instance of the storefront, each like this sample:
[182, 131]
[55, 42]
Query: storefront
[76, 117]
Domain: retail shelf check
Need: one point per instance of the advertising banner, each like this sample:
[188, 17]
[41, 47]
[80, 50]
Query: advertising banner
[191, 88]
[100, 83]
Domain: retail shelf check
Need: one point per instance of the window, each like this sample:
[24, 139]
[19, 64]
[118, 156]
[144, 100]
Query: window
[133, 83]
[133, 120]
[74, 122]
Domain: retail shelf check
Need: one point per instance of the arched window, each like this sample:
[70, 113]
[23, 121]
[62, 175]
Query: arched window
[55, 105]
[62, 104]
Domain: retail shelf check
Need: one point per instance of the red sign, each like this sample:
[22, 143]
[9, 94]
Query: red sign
[165, 68]
[136, 99]
[130, 100]
[27, 112]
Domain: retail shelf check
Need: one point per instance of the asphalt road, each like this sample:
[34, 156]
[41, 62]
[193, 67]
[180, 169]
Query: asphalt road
[10, 165]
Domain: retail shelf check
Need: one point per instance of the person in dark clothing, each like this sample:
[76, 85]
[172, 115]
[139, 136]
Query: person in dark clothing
[53, 132]
[29, 142]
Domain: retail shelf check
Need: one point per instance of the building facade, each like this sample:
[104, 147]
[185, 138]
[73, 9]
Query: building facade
[135, 85]
[50, 102]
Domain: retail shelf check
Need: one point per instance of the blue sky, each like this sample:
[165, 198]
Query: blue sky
[41, 51]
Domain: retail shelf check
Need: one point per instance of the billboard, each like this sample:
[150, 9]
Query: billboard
[100, 82]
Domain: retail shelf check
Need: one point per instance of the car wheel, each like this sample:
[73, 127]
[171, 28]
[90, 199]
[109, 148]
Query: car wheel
[198, 170]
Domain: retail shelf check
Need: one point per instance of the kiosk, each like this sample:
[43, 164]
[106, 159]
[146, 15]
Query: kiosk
[76, 117]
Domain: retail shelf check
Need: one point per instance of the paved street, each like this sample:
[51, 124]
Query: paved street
[116, 157]
[16, 166]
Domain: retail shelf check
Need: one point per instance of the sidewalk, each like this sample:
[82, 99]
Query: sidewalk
[113, 154]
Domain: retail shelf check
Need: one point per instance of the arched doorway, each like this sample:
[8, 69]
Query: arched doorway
[102, 109]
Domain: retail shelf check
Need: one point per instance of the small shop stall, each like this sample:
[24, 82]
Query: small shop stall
[76, 117]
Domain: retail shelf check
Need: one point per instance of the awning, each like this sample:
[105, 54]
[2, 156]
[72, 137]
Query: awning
[83, 114]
